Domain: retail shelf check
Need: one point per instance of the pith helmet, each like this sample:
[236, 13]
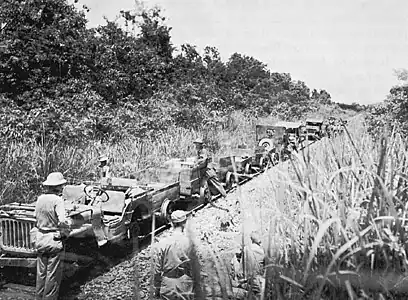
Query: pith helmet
[103, 158]
[198, 141]
[178, 216]
[55, 179]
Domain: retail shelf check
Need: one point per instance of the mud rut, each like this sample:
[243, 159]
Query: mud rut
[19, 283]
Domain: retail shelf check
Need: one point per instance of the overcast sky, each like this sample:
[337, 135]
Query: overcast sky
[348, 47]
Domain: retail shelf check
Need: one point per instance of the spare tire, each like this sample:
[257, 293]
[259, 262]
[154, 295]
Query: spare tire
[267, 143]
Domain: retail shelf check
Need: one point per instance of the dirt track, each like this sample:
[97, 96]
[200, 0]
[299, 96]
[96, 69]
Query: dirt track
[217, 231]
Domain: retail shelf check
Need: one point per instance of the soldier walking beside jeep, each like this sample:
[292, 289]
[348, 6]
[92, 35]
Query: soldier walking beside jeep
[50, 231]
[173, 264]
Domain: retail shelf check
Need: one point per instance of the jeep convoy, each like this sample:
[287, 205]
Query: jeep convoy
[119, 209]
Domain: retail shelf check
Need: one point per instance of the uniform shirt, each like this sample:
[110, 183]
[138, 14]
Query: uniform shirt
[292, 138]
[202, 156]
[105, 171]
[172, 257]
[258, 254]
[49, 212]
[254, 263]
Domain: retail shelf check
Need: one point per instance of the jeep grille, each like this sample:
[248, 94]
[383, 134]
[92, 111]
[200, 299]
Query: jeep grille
[15, 236]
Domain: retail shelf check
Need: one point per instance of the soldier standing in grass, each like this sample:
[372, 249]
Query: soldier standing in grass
[51, 230]
[247, 267]
[172, 262]
[258, 253]
[210, 174]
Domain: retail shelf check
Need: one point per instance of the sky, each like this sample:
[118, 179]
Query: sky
[349, 48]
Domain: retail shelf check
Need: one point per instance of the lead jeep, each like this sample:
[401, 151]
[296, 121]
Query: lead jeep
[104, 213]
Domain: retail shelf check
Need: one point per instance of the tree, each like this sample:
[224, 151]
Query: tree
[44, 47]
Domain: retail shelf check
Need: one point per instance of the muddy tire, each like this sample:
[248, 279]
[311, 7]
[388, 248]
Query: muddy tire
[166, 210]
[229, 180]
[248, 168]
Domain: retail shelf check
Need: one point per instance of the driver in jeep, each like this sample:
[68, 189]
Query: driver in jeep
[292, 142]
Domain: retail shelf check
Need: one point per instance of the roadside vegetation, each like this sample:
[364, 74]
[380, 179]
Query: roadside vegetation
[333, 221]
[69, 93]
[328, 218]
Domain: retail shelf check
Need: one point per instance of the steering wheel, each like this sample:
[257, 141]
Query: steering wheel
[95, 192]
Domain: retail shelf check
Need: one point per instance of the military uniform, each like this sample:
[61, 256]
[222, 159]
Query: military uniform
[104, 168]
[104, 172]
[172, 264]
[249, 277]
[292, 141]
[210, 174]
[51, 227]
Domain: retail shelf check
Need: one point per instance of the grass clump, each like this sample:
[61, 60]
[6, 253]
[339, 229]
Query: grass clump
[332, 220]
[25, 165]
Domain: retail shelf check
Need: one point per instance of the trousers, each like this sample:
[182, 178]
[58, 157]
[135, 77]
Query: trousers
[212, 179]
[49, 275]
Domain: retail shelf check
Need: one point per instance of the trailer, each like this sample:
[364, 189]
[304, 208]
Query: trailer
[314, 129]
[232, 168]
[193, 186]
[278, 140]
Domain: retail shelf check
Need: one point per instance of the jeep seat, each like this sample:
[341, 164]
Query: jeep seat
[115, 204]
[74, 193]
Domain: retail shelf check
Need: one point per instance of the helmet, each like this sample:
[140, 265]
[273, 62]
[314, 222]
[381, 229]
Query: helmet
[198, 141]
[178, 216]
[103, 158]
[55, 179]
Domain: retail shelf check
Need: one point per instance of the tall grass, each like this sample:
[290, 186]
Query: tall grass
[327, 218]
[24, 165]
[330, 221]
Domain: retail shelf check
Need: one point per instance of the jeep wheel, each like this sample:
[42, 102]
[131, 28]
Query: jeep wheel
[229, 180]
[166, 210]
[248, 168]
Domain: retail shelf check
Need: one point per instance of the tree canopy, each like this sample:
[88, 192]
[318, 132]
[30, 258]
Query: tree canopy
[69, 82]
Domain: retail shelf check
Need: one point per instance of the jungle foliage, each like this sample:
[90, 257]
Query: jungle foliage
[392, 113]
[71, 83]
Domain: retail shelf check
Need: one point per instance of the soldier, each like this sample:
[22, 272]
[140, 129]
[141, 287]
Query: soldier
[172, 262]
[292, 141]
[247, 273]
[258, 252]
[210, 174]
[52, 229]
[104, 167]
